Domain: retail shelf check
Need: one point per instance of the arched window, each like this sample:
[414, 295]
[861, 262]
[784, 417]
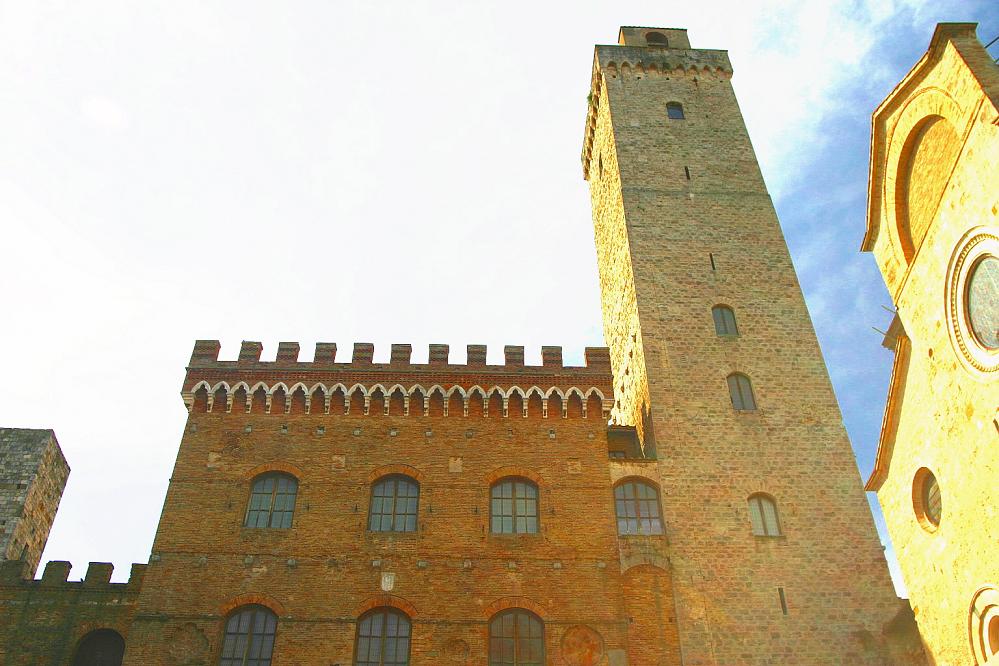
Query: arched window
[656, 39]
[514, 507]
[382, 638]
[636, 504]
[674, 111]
[394, 503]
[516, 638]
[272, 500]
[101, 647]
[249, 637]
[724, 320]
[741, 391]
[763, 515]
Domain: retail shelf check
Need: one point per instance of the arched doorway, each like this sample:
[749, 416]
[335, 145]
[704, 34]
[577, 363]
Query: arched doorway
[101, 647]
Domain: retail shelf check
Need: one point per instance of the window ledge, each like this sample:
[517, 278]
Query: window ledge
[770, 537]
[641, 536]
[392, 533]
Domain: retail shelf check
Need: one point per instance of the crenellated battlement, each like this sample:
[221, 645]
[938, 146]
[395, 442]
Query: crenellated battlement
[637, 62]
[399, 387]
[56, 575]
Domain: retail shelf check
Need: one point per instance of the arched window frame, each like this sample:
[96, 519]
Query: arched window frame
[85, 650]
[272, 508]
[258, 624]
[724, 318]
[507, 644]
[374, 645]
[656, 38]
[637, 512]
[394, 520]
[764, 517]
[740, 391]
[524, 515]
[674, 111]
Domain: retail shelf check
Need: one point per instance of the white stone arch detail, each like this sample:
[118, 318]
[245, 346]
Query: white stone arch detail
[509, 394]
[568, 395]
[604, 407]
[565, 403]
[544, 400]
[329, 396]
[232, 395]
[305, 390]
[188, 396]
[371, 391]
[405, 398]
[318, 386]
[485, 399]
[214, 389]
[270, 398]
[423, 392]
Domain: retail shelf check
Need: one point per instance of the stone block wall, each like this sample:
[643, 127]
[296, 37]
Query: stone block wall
[42, 622]
[33, 474]
[683, 222]
[941, 412]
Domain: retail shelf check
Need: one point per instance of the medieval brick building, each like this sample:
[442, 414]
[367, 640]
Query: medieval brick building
[352, 512]
[932, 226]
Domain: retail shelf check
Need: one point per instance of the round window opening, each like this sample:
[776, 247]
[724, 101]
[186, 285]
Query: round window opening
[983, 301]
[926, 499]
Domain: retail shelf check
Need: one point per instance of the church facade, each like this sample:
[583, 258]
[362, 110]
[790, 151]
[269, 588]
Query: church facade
[933, 227]
[688, 496]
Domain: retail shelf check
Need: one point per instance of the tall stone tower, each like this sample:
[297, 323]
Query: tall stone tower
[33, 474]
[772, 547]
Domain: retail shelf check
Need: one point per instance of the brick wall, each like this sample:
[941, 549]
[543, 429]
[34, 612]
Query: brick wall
[599, 596]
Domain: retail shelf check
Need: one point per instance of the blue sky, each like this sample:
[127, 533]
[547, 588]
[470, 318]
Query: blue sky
[380, 172]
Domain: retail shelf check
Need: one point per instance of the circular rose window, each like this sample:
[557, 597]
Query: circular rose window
[983, 301]
[973, 299]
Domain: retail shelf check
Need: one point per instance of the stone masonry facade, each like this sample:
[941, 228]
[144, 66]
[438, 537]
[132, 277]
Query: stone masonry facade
[688, 496]
[933, 216]
[684, 223]
[33, 474]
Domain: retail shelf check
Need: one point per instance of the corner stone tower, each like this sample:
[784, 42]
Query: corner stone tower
[33, 474]
[683, 224]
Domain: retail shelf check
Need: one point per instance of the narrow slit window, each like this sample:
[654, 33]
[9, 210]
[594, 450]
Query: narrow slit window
[741, 391]
[763, 516]
[724, 318]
